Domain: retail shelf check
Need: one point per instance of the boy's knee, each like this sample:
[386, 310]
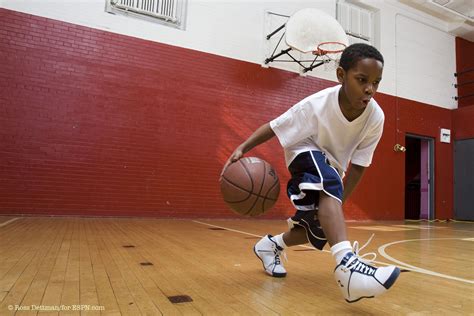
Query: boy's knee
[324, 195]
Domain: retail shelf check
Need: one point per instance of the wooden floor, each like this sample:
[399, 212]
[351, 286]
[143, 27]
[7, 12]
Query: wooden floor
[134, 266]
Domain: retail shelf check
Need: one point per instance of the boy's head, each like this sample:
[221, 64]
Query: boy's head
[360, 72]
[355, 52]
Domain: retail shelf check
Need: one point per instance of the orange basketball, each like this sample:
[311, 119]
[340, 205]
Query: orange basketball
[250, 186]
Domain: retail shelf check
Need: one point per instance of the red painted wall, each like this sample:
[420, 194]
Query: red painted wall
[465, 70]
[96, 123]
[463, 117]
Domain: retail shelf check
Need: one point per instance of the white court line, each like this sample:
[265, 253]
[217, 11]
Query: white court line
[381, 250]
[302, 246]
[8, 222]
[417, 269]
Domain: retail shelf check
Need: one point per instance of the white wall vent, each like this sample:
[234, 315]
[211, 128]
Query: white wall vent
[358, 22]
[169, 12]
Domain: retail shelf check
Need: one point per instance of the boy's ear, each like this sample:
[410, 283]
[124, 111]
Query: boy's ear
[340, 73]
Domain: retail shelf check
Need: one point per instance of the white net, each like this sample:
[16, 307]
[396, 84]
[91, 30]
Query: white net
[331, 64]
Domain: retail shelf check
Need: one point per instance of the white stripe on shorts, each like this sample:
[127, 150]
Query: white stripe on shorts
[301, 196]
[322, 179]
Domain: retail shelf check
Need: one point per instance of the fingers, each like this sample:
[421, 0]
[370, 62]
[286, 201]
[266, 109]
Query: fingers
[228, 162]
[233, 158]
[225, 167]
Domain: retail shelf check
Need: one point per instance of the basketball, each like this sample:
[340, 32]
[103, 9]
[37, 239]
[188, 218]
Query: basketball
[250, 186]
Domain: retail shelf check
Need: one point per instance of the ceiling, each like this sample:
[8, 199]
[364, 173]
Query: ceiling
[465, 8]
[459, 14]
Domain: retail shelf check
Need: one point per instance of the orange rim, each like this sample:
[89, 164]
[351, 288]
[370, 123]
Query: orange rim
[320, 51]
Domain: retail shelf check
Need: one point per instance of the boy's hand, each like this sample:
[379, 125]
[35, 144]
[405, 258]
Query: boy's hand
[261, 135]
[236, 155]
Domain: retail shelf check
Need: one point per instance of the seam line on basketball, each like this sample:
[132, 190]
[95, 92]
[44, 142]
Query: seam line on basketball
[251, 179]
[239, 187]
[248, 174]
[261, 188]
[250, 193]
[271, 188]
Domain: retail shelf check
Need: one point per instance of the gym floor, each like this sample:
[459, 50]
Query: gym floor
[130, 266]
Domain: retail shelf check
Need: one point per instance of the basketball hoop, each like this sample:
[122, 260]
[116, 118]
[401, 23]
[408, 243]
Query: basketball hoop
[330, 54]
[304, 30]
[326, 48]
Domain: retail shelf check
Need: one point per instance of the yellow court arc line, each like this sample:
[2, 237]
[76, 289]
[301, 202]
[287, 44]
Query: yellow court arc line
[418, 269]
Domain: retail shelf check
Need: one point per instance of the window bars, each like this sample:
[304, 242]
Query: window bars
[171, 12]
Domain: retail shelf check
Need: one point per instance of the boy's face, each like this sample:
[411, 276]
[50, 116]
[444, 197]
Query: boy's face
[360, 82]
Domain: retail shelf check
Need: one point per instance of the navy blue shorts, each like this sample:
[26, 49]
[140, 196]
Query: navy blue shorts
[310, 174]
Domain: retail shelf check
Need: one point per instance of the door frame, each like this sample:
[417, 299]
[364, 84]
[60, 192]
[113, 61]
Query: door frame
[431, 184]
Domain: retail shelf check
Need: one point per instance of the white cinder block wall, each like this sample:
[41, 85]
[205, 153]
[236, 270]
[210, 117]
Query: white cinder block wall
[419, 53]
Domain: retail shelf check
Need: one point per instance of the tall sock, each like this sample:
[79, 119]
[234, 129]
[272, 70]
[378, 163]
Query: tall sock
[340, 249]
[279, 240]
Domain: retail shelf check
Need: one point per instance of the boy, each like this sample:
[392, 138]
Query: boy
[321, 135]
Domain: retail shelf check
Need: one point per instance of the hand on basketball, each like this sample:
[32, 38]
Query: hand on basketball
[236, 155]
[250, 187]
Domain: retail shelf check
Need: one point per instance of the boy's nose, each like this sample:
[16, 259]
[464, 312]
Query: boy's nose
[369, 89]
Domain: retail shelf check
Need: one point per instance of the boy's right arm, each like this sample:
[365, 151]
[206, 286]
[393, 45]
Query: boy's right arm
[261, 135]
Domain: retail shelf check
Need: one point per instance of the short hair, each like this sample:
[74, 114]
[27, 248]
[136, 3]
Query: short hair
[355, 52]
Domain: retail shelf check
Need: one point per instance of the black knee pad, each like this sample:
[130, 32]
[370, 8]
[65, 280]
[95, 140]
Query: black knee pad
[314, 232]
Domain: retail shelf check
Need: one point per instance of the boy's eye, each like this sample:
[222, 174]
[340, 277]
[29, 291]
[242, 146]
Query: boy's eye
[361, 79]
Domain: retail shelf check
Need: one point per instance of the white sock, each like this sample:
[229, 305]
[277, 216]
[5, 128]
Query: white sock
[279, 240]
[340, 249]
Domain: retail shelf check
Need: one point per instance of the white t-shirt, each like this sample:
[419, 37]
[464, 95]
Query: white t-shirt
[317, 123]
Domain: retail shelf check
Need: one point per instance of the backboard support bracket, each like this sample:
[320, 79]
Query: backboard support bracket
[305, 64]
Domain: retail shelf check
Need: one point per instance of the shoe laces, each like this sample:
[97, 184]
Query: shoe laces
[279, 252]
[357, 258]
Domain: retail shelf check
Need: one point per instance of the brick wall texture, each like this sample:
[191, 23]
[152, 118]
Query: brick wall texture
[95, 123]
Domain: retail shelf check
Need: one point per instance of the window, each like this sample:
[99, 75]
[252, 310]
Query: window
[358, 22]
[168, 12]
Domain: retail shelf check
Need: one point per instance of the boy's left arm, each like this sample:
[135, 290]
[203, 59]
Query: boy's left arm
[352, 179]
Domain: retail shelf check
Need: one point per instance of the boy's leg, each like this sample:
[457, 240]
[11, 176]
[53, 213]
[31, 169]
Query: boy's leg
[357, 279]
[295, 236]
[304, 225]
[304, 228]
[331, 217]
[269, 249]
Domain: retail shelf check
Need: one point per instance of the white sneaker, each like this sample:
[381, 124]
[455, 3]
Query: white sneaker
[358, 279]
[269, 253]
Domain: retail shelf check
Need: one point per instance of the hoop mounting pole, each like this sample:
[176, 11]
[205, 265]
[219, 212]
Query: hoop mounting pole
[276, 31]
[272, 58]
